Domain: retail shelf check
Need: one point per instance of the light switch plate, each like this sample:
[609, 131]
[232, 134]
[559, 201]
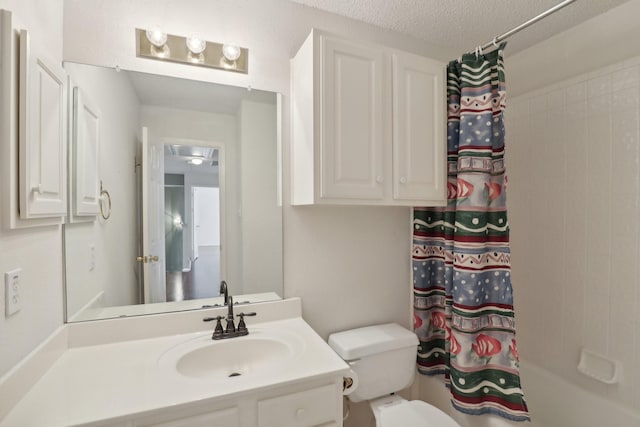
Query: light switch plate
[12, 294]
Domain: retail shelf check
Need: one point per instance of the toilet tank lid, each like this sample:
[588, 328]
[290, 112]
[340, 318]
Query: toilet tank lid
[361, 342]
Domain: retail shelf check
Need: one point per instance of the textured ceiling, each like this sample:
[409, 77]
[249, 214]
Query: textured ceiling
[460, 25]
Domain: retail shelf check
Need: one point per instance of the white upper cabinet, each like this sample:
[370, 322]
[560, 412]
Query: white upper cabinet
[368, 125]
[32, 130]
[42, 172]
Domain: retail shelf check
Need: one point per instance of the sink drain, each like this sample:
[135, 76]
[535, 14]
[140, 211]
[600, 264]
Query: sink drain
[235, 374]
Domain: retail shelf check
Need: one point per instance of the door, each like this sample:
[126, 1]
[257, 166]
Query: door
[153, 248]
[418, 129]
[355, 120]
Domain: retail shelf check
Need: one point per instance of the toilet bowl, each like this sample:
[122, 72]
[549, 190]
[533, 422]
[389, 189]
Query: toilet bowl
[394, 411]
[382, 360]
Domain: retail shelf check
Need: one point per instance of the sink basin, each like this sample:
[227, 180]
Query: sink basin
[258, 354]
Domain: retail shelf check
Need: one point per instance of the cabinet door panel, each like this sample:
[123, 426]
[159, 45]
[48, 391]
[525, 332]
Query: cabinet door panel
[418, 129]
[353, 117]
[42, 134]
[304, 409]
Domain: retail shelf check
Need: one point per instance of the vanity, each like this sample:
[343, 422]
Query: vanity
[167, 371]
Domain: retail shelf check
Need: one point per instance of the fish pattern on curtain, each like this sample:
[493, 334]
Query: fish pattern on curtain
[463, 300]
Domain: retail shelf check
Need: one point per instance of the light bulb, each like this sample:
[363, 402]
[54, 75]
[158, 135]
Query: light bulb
[195, 161]
[196, 45]
[156, 37]
[231, 52]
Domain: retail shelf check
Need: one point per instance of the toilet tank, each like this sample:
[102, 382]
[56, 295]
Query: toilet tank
[383, 358]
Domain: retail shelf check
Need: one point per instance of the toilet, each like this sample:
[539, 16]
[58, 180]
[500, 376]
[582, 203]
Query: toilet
[382, 359]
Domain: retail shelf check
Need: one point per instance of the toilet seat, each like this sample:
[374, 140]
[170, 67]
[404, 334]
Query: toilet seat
[394, 411]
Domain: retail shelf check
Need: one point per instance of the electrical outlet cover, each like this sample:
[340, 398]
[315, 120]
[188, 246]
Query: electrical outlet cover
[12, 294]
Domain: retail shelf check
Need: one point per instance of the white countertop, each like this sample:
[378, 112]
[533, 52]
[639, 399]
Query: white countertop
[98, 382]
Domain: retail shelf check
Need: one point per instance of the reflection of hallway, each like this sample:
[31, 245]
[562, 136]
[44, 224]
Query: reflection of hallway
[202, 281]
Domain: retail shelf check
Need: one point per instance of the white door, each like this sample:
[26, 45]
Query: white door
[153, 220]
[418, 128]
[355, 120]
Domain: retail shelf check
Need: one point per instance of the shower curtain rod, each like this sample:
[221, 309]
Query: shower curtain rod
[525, 25]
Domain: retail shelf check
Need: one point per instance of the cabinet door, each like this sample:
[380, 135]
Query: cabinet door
[42, 134]
[419, 144]
[355, 117]
[308, 408]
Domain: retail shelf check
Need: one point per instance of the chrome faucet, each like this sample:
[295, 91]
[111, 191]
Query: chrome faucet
[224, 291]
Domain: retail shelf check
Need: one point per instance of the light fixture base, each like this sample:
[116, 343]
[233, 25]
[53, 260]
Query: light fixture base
[175, 50]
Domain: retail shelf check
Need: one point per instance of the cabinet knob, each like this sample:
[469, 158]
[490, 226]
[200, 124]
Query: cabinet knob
[37, 189]
[379, 179]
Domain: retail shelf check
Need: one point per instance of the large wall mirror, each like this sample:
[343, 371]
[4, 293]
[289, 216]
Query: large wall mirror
[189, 174]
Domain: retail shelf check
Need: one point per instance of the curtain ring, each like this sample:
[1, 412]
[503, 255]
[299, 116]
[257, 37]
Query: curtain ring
[477, 56]
[495, 42]
[104, 195]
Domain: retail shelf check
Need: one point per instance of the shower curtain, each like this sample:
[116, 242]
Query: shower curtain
[463, 299]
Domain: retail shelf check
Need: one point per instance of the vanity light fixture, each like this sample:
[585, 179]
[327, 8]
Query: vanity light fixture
[193, 50]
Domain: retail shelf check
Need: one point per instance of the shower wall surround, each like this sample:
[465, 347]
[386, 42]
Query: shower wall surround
[574, 183]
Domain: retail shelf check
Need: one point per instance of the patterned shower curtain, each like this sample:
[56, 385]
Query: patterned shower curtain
[463, 299]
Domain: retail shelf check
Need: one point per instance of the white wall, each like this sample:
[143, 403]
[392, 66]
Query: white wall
[114, 239]
[261, 218]
[39, 251]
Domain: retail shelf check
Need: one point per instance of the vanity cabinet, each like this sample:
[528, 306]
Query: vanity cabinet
[368, 125]
[305, 404]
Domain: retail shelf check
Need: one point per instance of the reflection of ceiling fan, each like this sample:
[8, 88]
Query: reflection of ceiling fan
[192, 154]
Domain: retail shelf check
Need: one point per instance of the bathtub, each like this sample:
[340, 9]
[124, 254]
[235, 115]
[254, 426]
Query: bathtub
[553, 402]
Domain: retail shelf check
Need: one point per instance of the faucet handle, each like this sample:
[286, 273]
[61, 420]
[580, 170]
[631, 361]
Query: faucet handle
[242, 327]
[218, 331]
[252, 313]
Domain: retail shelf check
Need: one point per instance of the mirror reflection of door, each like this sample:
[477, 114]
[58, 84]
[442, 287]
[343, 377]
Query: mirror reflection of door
[153, 244]
[192, 221]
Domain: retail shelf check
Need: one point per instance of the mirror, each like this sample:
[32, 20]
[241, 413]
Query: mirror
[189, 177]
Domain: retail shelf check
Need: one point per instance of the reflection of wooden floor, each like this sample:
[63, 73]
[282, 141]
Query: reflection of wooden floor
[203, 281]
